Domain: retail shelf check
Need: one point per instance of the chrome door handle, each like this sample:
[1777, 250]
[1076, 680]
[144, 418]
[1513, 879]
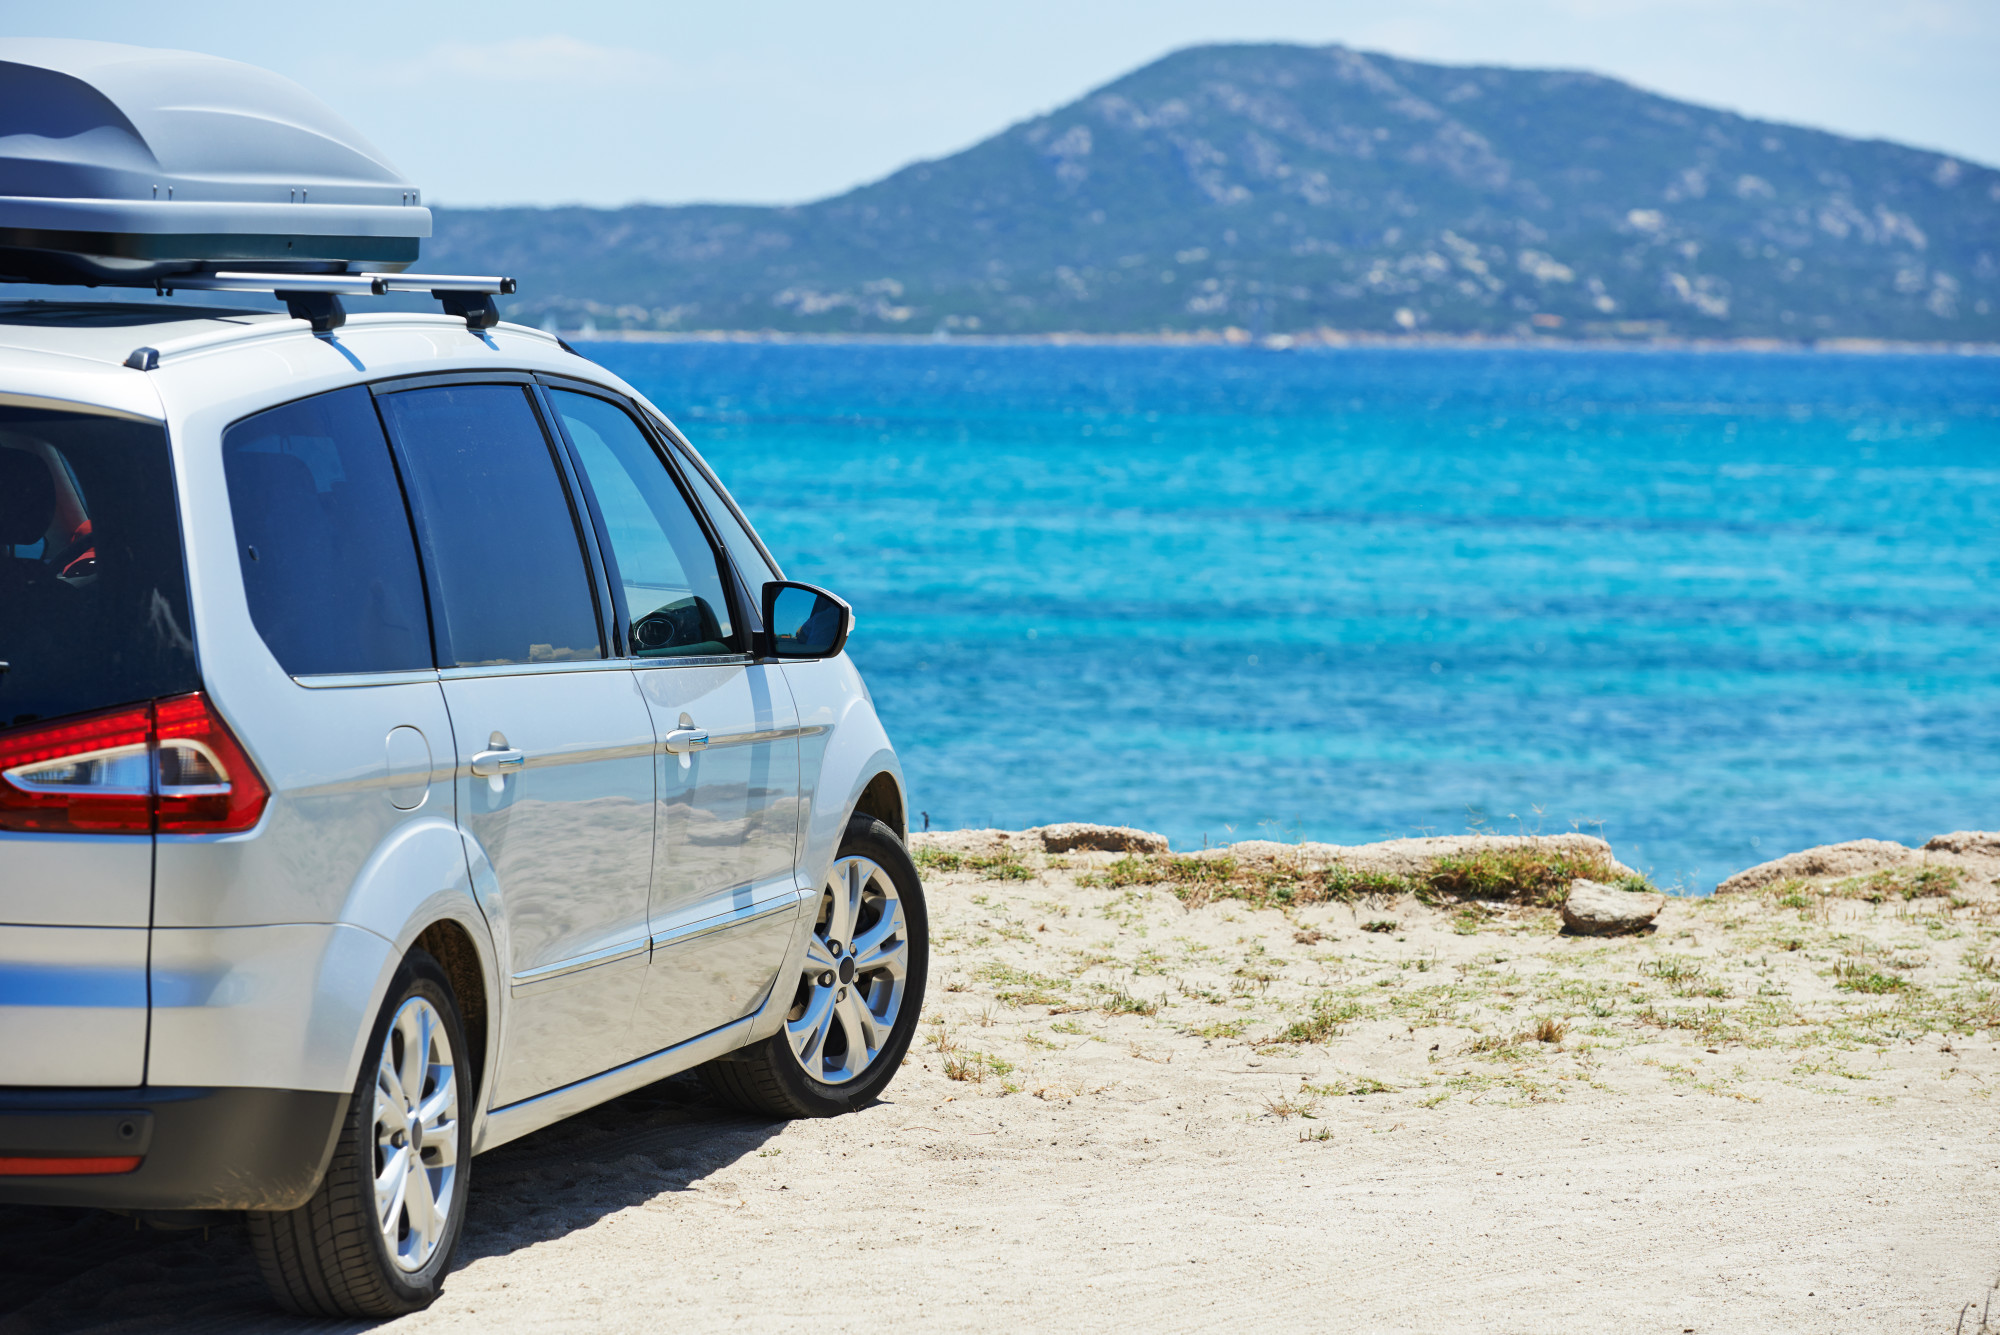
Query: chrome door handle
[683, 740]
[498, 762]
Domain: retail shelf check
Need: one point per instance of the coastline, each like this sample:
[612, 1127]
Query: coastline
[1308, 341]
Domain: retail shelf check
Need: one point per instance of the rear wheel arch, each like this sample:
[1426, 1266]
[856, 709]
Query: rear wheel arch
[449, 943]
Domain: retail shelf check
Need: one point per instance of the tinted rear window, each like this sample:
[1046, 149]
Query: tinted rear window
[93, 592]
[323, 538]
[498, 530]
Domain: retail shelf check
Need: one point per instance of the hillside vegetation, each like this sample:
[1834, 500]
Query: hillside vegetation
[1286, 188]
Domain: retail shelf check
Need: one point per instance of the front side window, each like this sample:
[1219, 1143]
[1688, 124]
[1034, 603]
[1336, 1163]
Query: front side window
[498, 533]
[750, 558]
[666, 568]
[323, 538]
[93, 590]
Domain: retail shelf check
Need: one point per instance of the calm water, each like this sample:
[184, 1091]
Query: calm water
[1714, 606]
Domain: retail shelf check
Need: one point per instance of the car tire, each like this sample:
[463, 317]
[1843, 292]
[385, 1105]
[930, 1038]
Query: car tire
[338, 1255]
[855, 1002]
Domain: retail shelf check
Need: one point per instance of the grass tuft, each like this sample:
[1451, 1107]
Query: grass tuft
[1285, 1106]
[1328, 1018]
[1899, 883]
[1355, 1088]
[1003, 866]
[1537, 874]
[1117, 1001]
[974, 1067]
[1859, 976]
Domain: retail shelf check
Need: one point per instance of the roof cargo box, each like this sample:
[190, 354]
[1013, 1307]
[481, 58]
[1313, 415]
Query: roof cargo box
[126, 165]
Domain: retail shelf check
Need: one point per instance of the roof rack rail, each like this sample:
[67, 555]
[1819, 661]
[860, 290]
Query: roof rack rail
[315, 297]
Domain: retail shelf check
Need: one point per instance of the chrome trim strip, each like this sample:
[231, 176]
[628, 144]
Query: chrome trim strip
[675, 936]
[534, 669]
[533, 978]
[584, 755]
[763, 735]
[692, 660]
[515, 1120]
[322, 681]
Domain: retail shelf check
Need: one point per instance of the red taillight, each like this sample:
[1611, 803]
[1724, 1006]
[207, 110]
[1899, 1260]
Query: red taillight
[89, 774]
[172, 765]
[207, 783]
[43, 1165]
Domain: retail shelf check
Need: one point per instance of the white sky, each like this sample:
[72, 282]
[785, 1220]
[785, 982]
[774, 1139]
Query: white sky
[777, 101]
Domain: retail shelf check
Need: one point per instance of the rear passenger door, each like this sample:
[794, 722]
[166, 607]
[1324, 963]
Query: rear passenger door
[554, 741]
[724, 898]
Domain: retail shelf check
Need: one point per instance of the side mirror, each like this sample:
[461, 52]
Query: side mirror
[804, 622]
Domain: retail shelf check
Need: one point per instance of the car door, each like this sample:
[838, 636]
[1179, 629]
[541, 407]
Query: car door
[554, 741]
[724, 899]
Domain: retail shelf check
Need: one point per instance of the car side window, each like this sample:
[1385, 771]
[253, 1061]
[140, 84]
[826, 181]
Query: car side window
[323, 538]
[666, 569]
[499, 534]
[749, 556]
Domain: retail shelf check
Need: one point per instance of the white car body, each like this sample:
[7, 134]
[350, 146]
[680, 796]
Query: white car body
[161, 975]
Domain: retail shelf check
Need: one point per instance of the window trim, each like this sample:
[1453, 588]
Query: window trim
[386, 676]
[396, 384]
[681, 447]
[558, 453]
[675, 454]
[679, 455]
[725, 569]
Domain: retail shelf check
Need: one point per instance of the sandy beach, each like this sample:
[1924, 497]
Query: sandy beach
[1268, 1089]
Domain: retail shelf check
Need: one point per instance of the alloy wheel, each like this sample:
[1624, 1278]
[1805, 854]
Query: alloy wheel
[850, 990]
[416, 1134]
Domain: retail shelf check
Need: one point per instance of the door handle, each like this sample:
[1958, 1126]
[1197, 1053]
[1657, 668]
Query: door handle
[498, 762]
[683, 740]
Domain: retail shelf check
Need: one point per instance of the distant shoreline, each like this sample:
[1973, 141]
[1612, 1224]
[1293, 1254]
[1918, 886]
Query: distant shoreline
[1316, 340]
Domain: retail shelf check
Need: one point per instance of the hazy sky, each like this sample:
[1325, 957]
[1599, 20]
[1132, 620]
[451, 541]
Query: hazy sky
[609, 101]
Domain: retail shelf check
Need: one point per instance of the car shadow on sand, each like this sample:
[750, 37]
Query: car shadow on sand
[63, 1272]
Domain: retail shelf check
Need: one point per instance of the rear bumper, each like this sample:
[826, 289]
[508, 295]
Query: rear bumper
[198, 1149]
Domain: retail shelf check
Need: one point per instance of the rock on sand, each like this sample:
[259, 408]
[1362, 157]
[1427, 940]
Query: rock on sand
[1596, 909]
[1069, 837]
[1074, 837]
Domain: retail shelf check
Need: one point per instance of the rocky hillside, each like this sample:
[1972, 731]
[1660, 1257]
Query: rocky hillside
[1288, 188]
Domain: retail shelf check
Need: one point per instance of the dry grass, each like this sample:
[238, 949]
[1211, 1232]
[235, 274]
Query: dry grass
[1327, 1018]
[1283, 1107]
[1899, 883]
[1457, 987]
[1536, 875]
[1548, 1029]
[999, 867]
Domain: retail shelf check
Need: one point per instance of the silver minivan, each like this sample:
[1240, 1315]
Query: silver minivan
[405, 743]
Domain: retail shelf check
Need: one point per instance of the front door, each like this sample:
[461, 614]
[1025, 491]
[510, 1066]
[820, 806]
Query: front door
[723, 898]
[554, 742]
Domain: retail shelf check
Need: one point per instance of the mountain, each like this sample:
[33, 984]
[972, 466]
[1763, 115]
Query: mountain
[1287, 188]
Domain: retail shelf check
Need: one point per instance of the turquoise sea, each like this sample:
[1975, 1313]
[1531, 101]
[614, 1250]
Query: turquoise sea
[1716, 606]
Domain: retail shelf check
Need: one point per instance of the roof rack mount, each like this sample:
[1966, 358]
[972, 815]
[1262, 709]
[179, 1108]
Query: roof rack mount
[316, 297]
